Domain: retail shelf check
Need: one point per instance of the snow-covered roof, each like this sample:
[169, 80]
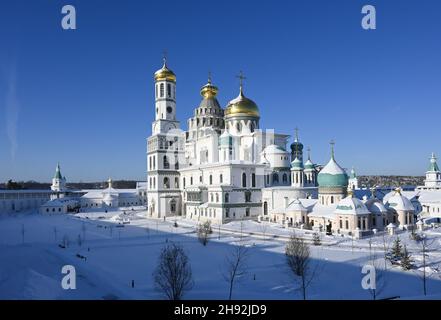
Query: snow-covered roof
[274, 149]
[399, 202]
[351, 205]
[375, 205]
[333, 168]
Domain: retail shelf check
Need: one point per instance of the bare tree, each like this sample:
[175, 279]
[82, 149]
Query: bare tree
[204, 230]
[173, 276]
[425, 246]
[298, 258]
[55, 233]
[263, 229]
[236, 266]
[380, 274]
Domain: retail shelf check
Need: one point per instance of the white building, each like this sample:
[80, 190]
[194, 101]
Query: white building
[218, 169]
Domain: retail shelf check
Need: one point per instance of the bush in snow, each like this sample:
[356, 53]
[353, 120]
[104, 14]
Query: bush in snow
[316, 239]
[204, 230]
[173, 276]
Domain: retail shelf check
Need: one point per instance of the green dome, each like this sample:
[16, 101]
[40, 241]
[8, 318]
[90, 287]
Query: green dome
[309, 165]
[297, 164]
[332, 175]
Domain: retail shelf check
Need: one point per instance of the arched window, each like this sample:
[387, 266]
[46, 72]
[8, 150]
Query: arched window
[191, 181]
[211, 197]
[238, 127]
[177, 183]
[285, 178]
[253, 180]
[217, 197]
[168, 90]
[221, 178]
[166, 183]
[211, 179]
[183, 182]
[244, 180]
[332, 199]
[252, 127]
[161, 90]
[265, 208]
[166, 163]
[156, 91]
[275, 178]
[227, 197]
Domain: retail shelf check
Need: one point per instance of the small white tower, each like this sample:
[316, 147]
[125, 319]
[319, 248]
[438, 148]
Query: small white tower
[433, 175]
[353, 180]
[58, 181]
[297, 174]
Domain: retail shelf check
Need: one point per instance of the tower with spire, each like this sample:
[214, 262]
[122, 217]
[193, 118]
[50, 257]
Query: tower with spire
[433, 174]
[58, 181]
[165, 148]
[353, 180]
[310, 172]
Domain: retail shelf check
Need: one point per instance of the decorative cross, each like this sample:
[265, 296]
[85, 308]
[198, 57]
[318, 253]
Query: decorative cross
[164, 56]
[209, 77]
[309, 153]
[297, 133]
[241, 78]
[332, 143]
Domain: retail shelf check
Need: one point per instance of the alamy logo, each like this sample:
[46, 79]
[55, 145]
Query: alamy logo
[69, 281]
[369, 21]
[69, 21]
[369, 280]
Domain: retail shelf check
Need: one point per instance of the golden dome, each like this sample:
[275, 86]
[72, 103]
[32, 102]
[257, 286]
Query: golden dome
[242, 106]
[209, 91]
[165, 74]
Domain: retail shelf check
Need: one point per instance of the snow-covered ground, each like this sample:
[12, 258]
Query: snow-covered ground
[117, 254]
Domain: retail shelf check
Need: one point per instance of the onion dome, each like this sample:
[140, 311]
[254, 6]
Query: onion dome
[296, 146]
[351, 205]
[309, 165]
[209, 91]
[296, 164]
[242, 106]
[398, 202]
[332, 175]
[165, 74]
[433, 165]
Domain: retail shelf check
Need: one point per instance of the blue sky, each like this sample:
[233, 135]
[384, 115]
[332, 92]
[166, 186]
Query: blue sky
[85, 97]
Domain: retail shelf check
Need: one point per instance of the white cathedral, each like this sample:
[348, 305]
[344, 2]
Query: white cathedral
[225, 168]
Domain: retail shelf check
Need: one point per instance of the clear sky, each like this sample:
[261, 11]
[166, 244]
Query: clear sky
[85, 97]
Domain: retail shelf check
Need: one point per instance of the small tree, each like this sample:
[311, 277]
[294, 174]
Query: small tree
[397, 249]
[299, 262]
[203, 231]
[79, 240]
[316, 239]
[173, 277]
[406, 261]
[235, 266]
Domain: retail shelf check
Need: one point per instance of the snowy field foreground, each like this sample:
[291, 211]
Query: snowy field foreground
[31, 269]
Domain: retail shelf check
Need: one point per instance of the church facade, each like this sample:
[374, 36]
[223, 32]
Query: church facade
[224, 167]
